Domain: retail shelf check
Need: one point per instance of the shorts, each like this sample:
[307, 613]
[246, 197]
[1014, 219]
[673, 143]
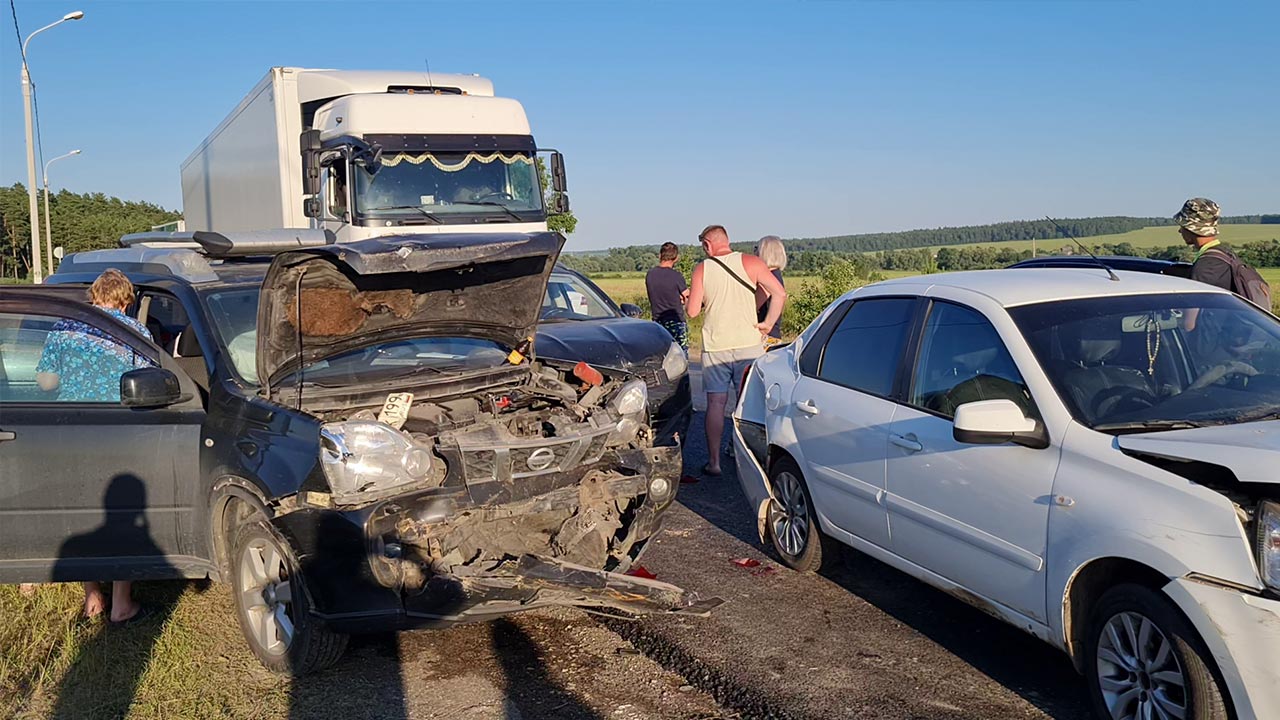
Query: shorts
[723, 368]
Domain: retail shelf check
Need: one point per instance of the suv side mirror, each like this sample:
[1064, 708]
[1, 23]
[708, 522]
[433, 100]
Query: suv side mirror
[993, 422]
[149, 387]
[630, 310]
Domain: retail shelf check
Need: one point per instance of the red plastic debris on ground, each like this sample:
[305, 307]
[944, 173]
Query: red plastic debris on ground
[688, 480]
[746, 562]
[641, 571]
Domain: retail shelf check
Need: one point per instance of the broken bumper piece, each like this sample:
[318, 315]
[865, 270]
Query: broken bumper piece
[547, 581]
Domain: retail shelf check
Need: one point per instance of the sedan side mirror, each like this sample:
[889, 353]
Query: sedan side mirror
[993, 422]
[149, 387]
[630, 310]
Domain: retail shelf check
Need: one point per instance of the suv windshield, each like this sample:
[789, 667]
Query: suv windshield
[450, 187]
[1146, 362]
[235, 320]
[569, 297]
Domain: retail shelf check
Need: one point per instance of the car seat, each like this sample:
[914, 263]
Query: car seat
[1094, 384]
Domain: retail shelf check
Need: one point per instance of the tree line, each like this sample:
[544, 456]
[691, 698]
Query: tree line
[89, 221]
[804, 260]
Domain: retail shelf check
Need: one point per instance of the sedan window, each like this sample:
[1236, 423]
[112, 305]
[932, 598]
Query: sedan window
[962, 359]
[866, 347]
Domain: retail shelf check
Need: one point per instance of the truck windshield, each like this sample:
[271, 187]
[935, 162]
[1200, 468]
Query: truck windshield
[1143, 362]
[450, 187]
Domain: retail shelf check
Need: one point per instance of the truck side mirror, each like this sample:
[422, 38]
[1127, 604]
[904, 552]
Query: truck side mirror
[559, 204]
[310, 142]
[557, 173]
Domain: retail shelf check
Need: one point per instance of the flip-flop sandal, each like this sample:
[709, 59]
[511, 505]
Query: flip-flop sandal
[706, 470]
[144, 611]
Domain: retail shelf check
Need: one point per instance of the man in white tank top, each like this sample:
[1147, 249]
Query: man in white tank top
[724, 288]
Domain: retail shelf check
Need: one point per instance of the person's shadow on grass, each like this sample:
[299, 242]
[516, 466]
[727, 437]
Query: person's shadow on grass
[103, 679]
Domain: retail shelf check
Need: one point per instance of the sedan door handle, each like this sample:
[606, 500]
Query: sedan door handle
[7, 435]
[807, 407]
[908, 442]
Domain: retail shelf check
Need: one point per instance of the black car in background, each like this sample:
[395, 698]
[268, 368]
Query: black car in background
[580, 322]
[1115, 262]
[348, 434]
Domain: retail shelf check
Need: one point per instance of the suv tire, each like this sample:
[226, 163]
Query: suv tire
[792, 523]
[272, 605]
[1141, 651]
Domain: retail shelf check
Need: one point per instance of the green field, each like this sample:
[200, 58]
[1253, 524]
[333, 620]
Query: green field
[1150, 237]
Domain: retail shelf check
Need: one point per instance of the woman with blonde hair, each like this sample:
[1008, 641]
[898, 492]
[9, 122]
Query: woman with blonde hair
[81, 363]
[774, 255]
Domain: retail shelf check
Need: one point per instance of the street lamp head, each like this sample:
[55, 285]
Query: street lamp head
[74, 152]
[73, 15]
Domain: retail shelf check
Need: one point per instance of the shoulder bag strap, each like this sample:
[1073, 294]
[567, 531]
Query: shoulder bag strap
[732, 274]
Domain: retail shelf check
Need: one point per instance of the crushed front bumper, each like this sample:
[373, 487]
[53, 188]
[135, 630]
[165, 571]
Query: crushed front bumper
[443, 557]
[1242, 632]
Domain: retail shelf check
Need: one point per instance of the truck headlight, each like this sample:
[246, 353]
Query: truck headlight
[676, 362]
[359, 456]
[1269, 543]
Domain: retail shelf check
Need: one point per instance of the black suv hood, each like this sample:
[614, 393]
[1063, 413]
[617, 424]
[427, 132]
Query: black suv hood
[621, 343]
[402, 286]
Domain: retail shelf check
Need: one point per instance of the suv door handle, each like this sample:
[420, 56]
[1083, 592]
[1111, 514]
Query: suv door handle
[807, 407]
[7, 435]
[906, 442]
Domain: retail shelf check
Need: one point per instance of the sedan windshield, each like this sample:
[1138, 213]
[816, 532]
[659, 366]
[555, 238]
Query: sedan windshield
[569, 297]
[1151, 362]
[450, 187]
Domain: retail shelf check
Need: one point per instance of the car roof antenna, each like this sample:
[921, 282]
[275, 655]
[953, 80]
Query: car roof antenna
[1101, 264]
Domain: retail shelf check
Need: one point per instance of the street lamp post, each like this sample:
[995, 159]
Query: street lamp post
[37, 272]
[48, 219]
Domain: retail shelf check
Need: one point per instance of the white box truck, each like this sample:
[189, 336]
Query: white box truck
[365, 153]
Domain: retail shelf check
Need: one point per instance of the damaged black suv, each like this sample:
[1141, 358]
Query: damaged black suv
[357, 437]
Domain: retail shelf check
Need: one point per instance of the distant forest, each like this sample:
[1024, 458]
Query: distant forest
[90, 221]
[908, 250]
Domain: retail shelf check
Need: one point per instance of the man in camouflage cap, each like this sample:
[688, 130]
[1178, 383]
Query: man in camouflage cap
[1198, 225]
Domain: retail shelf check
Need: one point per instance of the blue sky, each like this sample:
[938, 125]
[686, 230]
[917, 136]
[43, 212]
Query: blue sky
[788, 118]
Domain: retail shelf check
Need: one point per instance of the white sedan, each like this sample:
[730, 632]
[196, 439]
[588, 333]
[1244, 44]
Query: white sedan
[1094, 460]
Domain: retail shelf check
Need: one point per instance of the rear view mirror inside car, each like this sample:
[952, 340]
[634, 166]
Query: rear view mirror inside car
[1164, 319]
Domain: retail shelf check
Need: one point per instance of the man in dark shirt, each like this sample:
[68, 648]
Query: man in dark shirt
[1198, 225]
[667, 294]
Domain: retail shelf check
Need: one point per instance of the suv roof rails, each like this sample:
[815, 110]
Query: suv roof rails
[232, 244]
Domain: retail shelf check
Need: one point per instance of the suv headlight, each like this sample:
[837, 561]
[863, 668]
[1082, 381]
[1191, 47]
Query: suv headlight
[632, 399]
[359, 456]
[630, 404]
[1269, 543]
[676, 362]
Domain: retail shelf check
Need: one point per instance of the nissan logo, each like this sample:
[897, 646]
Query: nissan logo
[540, 459]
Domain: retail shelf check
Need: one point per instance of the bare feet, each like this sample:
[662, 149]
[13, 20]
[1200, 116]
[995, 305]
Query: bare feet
[122, 614]
[95, 602]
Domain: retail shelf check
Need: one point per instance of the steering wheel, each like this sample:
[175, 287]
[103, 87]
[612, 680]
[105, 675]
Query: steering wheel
[1236, 369]
[1125, 400]
[557, 313]
[496, 193]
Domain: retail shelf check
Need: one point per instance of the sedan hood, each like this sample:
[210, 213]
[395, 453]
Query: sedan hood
[357, 294]
[1251, 450]
[620, 343]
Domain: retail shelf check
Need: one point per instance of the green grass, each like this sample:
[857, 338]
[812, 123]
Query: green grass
[1150, 237]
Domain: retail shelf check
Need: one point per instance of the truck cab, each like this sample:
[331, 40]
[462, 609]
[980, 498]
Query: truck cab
[365, 154]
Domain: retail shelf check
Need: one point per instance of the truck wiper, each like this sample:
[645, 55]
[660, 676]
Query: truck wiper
[1267, 414]
[425, 213]
[1143, 425]
[490, 203]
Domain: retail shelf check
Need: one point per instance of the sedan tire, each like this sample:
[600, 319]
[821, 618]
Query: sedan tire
[1144, 660]
[272, 605]
[792, 523]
